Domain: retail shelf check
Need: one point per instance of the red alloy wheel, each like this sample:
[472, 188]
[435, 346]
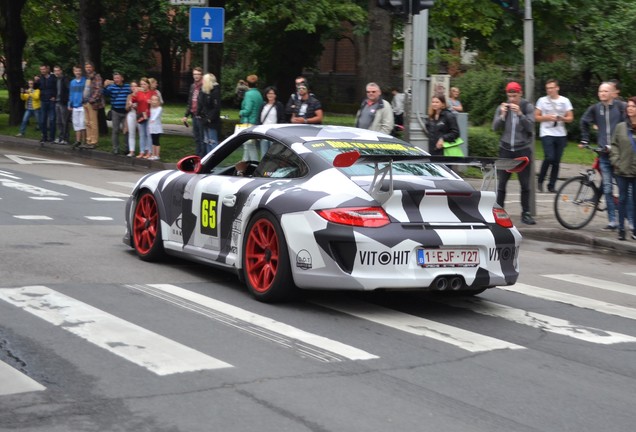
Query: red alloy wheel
[145, 224]
[262, 255]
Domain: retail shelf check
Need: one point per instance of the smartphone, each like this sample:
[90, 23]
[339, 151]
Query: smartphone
[185, 123]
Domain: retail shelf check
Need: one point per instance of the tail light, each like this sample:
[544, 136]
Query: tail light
[501, 217]
[370, 217]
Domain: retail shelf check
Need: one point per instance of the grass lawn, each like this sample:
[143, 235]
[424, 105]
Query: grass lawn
[174, 147]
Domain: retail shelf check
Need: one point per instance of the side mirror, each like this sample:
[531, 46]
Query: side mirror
[190, 164]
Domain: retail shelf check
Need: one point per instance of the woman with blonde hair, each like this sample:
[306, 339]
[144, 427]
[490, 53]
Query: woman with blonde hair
[209, 110]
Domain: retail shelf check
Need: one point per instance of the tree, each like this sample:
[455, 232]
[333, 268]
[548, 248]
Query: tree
[13, 39]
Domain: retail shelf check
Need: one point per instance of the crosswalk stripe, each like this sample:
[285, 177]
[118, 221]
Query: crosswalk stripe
[33, 217]
[595, 283]
[86, 188]
[39, 198]
[574, 300]
[104, 199]
[14, 381]
[34, 190]
[467, 340]
[262, 322]
[136, 344]
[99, 218]
[540, 321]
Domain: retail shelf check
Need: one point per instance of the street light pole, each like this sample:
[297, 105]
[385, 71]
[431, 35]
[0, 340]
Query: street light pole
[528, 50]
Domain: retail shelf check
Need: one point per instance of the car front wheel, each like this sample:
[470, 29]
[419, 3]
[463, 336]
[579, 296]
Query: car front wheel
[146, 229]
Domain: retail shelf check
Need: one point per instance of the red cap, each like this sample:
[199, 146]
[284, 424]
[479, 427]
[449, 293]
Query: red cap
[513, 87]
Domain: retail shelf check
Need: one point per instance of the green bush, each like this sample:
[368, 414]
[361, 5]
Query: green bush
[482, 90]
[482, 142]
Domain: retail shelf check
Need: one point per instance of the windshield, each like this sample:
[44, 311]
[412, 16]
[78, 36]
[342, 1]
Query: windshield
[329, 149]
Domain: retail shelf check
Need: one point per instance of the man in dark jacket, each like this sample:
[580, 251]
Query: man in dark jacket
[47, 83]
[516, 117]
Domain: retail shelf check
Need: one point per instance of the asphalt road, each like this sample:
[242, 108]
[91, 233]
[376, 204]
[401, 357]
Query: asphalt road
[93, 339]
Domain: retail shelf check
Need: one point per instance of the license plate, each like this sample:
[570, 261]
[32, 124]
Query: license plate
[447, 257]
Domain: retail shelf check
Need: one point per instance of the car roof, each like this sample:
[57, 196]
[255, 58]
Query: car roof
[293, 133]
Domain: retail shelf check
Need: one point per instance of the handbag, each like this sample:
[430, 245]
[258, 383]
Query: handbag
[453, 148]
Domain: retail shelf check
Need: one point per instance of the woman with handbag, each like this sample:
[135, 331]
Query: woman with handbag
[209, 110]
[441, 125]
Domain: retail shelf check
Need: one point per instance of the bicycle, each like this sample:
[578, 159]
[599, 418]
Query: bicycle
[580, 197]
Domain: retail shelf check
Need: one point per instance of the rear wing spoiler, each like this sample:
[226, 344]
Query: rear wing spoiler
[488, 166]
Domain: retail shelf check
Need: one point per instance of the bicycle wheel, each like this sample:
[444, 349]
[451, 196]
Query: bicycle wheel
[576, 202]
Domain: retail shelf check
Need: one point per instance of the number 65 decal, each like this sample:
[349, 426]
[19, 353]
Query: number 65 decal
[208, 214]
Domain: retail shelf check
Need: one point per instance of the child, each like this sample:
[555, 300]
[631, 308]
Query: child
[31, 98]
[155, 128]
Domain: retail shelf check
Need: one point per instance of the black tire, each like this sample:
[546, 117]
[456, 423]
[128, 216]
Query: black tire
[266, 266]
[146, 228]
[576, 202]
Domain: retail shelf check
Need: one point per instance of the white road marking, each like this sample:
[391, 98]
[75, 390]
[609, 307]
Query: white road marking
[35, 190]
[464, 339]
[128, 185]
[31, 160]
[541, 322]
[92, 189]
[9, 175]
[32, 217]
[38, 198]
[99, 218]
[263, 322]
[106, 199]
[574, 300]
[595, 283]
[136, 344]
[14, 381]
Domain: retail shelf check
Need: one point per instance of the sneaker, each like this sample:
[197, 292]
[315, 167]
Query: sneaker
[621, 234]
[527, 219]
[57, 141]
[19, 135]
[540, 187]
[551, 189]
[634, 236]
[609, 227]
[77, 144]
[131, 154]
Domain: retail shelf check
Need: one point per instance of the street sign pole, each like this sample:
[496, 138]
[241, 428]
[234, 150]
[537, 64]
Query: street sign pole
[205, 49]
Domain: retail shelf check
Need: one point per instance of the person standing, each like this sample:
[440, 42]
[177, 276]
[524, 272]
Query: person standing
[516, 118]
[375, 113]
[272, 112]
[294, 98]
[397, 104]
[94, 102]
[441, 125]
[604, 115]
[61, 106]
[454, 104]
[209, 111]
[191, 111]
[47, 83]
[155, 126]
[142, 99]
[76, 101]
[553, 111]
[307, 109]
[131, 119]
[622, 157]
[118, 91]
[31, 98]
[250, 110]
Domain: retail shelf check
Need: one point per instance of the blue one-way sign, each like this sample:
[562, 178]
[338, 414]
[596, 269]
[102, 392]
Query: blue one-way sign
[207, 24]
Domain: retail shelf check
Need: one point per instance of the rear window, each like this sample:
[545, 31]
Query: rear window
[329, 149]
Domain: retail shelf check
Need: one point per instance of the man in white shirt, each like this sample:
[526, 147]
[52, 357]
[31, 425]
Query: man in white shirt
[552, 111]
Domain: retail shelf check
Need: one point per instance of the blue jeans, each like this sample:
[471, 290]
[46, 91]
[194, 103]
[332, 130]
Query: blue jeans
[608, 174]
[626, 188]
[47, 120]
[199, 140]
[553, 147]
[210, 138]
[25, 119]
[144, 137]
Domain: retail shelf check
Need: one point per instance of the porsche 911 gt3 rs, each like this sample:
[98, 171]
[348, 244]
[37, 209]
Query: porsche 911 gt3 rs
[326, 207]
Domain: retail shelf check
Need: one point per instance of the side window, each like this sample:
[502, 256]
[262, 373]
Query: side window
[280, 162]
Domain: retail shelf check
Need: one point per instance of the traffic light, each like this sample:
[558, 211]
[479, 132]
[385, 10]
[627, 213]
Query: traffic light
[509, 5]
[406, 7]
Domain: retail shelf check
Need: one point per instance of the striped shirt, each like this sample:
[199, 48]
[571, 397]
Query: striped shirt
[118, 95]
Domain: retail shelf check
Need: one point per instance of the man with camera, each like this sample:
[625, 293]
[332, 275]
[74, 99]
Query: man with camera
[516, 118]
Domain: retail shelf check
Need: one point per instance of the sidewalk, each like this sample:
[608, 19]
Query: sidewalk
[547, 227]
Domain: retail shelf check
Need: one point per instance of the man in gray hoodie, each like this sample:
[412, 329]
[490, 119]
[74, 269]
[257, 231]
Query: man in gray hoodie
[516, 117]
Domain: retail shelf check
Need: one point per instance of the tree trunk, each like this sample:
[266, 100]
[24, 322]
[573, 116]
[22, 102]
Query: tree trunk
[375, 51]
[13, 38]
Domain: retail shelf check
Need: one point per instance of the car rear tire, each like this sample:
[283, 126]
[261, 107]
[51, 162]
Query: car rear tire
[266, 266]
[146, 229]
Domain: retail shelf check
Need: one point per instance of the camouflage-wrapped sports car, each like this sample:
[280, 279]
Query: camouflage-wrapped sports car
[326, 207]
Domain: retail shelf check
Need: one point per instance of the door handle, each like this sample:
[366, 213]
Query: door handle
[229, 200]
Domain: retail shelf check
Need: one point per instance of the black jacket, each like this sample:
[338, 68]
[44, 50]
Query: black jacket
[280, 112]
[445, 127]
[209, 107]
